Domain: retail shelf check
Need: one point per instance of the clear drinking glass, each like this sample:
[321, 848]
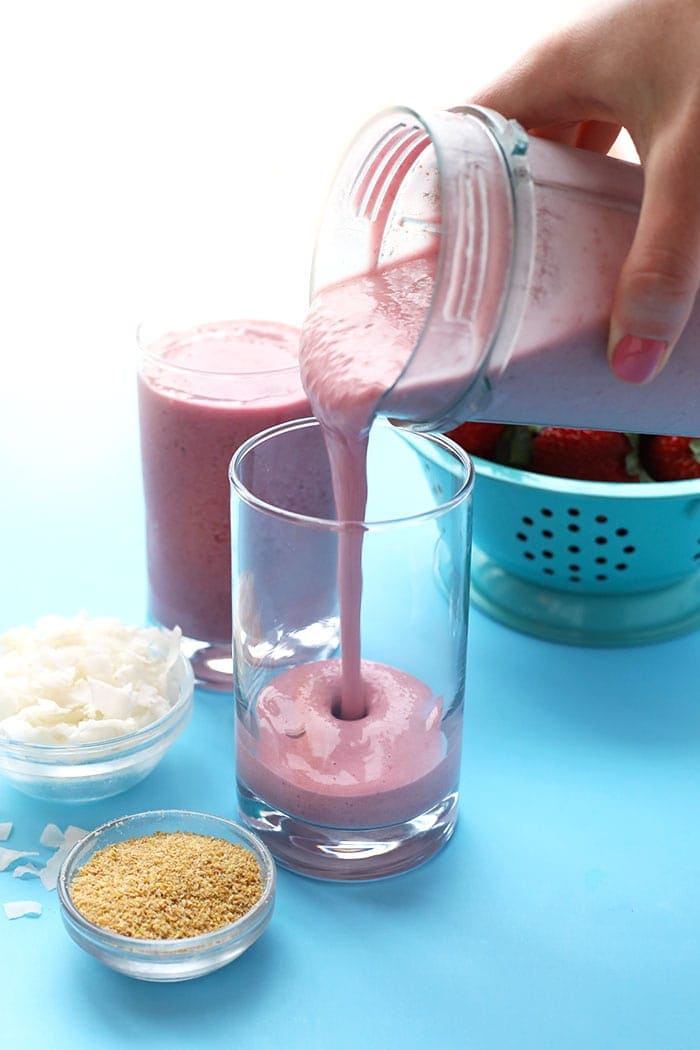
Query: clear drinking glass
[204, 389]
[333, 797]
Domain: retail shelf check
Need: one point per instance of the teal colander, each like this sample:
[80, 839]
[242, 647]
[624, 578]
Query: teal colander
[589, 563]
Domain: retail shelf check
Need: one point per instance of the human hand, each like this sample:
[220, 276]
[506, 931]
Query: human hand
[632, 64]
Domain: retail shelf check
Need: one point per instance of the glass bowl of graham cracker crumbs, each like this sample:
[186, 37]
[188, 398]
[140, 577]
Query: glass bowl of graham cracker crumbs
[167, 895]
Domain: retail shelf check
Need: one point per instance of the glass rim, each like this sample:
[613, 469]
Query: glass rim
[333, 525]
[145, 353]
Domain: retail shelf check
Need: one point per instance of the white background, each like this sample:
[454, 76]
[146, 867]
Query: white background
[163, 156]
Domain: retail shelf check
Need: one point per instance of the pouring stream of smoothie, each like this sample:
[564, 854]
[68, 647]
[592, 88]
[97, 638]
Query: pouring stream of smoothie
[353, 743]
[355, 343]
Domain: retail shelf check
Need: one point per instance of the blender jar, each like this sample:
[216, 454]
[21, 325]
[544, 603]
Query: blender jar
[529, 237]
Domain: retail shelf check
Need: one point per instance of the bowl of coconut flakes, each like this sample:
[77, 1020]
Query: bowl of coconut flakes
[88, 707]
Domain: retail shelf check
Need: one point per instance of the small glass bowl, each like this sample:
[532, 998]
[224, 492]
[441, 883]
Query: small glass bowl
[87, 772]
[176, 959]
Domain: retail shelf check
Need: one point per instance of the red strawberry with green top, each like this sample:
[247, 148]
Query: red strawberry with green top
[670, 458]
[480, 439]
[586, 455]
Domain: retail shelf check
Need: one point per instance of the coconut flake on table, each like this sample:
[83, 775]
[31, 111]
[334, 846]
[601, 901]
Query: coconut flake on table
[9, 856]
[49, 873]
[18, 909]
[73, 680]
[61, 842]
[26, 869]
[52, 836]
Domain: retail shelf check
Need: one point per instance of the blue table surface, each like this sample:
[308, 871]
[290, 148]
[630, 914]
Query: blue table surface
[564, 913]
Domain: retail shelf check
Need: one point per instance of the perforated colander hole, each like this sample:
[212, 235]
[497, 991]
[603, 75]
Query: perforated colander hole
[593, 541]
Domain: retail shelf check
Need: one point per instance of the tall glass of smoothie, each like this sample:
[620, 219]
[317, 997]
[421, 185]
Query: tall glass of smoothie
[348, 762]
[204, 389]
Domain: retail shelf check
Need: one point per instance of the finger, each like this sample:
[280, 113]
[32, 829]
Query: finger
[565, 133]
[659, 281]
[546, 89]
[597, 135]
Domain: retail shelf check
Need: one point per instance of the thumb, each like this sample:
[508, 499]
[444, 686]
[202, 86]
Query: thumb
[659, 281]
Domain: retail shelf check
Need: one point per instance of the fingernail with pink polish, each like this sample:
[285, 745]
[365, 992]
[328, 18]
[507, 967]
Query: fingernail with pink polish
[636, 360]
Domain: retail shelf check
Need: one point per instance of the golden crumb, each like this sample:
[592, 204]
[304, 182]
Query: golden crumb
[167, 885]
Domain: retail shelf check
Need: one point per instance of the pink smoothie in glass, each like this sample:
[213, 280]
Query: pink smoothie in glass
[351, 743]
[202, 392]
[383, 768]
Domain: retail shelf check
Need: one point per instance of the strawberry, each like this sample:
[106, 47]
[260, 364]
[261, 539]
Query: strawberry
[670, 458]
[480, 439]
[587, 455]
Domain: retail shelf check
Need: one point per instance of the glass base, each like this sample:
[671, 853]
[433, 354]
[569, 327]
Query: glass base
[349, 855]
[212, 664]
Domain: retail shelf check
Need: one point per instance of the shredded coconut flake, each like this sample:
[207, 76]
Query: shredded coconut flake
[5, 830]
[72, 835]
[9, 856]
[73, 680]
[18, 909]
[61, 842]
[26, 869]
[52, 836]
[49, 873]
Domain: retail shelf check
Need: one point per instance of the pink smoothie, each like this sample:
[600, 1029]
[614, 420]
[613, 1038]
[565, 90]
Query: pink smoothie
[352, 743]
[202, 392]
[586, 209]
[384, 768]
[357, 342]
